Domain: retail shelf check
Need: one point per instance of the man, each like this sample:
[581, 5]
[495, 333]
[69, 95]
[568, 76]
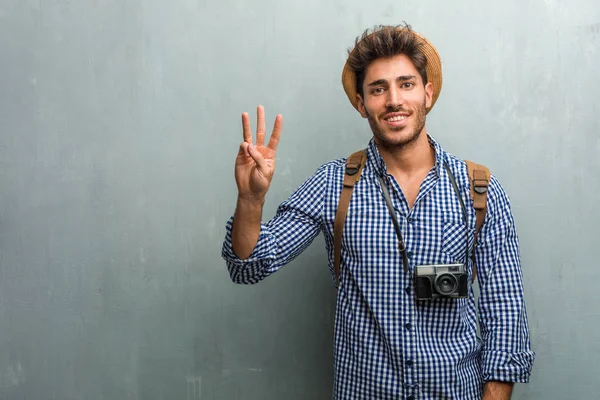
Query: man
[389, 343]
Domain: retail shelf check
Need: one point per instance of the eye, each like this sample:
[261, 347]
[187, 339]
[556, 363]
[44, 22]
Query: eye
[377, 90]
[407, 85]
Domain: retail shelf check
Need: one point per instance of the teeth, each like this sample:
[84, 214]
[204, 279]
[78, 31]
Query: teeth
[397, 119]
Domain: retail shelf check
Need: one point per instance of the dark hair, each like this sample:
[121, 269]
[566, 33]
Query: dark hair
[385, 41]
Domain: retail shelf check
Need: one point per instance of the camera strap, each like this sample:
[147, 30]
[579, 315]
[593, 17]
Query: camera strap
[401, 244]
[388, 202]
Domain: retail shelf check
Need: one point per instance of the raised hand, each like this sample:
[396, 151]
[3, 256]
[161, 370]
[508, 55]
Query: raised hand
[255, 163]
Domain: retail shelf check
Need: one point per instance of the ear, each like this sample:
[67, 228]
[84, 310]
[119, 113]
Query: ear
[361, 106]
[428, 95]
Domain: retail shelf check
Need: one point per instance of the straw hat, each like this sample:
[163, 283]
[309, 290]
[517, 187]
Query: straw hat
[434, 72]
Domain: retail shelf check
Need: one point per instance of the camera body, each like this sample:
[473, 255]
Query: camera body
[441, 280]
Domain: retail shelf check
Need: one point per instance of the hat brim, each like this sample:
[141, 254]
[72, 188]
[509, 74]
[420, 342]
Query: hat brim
[434, 73]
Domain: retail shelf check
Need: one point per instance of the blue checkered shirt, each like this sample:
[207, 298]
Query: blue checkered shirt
[387, 345]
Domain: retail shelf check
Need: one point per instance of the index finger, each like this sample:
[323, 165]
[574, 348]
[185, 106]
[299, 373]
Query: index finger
[246, 127]
[276, 134]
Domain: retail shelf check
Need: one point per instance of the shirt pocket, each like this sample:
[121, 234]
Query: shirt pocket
[455, 237]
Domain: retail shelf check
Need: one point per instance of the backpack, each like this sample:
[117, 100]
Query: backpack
[479, 177]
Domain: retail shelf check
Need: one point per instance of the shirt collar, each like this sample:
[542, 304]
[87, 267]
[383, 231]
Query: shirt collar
[376, 161]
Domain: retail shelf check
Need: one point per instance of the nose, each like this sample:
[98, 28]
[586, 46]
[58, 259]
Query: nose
[394, 98]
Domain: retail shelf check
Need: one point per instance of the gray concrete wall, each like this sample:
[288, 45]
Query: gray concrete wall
[119, 124]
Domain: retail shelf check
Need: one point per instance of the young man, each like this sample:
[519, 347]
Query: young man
[393, 340]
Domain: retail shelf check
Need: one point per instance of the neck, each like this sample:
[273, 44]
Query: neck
[410, 159]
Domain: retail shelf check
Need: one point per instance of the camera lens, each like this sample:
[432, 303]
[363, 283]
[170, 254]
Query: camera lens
[446, 284]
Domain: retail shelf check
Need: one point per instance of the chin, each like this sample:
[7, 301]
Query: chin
[396, 139]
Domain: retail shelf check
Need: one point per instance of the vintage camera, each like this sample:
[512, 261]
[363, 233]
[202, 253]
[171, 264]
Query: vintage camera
[441, 280]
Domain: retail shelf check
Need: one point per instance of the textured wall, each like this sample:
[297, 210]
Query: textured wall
[119, 124]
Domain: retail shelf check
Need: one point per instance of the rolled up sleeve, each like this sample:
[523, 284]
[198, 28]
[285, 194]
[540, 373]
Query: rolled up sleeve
[256, 267]
[506, 354]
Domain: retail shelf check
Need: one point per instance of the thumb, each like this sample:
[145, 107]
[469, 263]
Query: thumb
[243, 151]
[257, 157]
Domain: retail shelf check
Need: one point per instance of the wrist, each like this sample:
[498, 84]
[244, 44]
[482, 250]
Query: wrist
[249, 208]
[251, 201]
[497, 390]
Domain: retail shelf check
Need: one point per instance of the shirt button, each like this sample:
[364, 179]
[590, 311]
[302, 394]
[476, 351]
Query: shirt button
[409, 220]
[409, 254]
[408, 327]
[411, 398]
[409, 363]
[408, 290]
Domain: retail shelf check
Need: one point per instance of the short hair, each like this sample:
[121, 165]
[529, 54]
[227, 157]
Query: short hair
[385, 41]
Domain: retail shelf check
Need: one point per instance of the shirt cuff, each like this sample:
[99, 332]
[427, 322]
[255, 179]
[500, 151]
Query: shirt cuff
[507, 367]
[254, 268]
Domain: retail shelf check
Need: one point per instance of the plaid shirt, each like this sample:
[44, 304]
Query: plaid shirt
[387, 344]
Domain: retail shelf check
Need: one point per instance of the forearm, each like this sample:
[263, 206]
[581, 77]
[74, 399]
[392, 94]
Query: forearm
[254, 250]
[494, 390]
[245, 230]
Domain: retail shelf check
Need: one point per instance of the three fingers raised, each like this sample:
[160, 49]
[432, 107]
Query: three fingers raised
[261, 129]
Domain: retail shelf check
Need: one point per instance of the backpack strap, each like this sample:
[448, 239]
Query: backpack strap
[479, 178]
[354, 166]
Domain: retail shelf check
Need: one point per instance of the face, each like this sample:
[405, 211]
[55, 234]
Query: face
[395, 101]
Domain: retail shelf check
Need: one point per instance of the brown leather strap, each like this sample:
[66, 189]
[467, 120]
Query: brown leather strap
[354, 166]
[479, 178]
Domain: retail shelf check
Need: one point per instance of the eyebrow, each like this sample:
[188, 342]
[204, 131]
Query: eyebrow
[401, 78]
[404, 78]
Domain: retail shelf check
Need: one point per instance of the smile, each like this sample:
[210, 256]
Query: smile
[397, 118]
